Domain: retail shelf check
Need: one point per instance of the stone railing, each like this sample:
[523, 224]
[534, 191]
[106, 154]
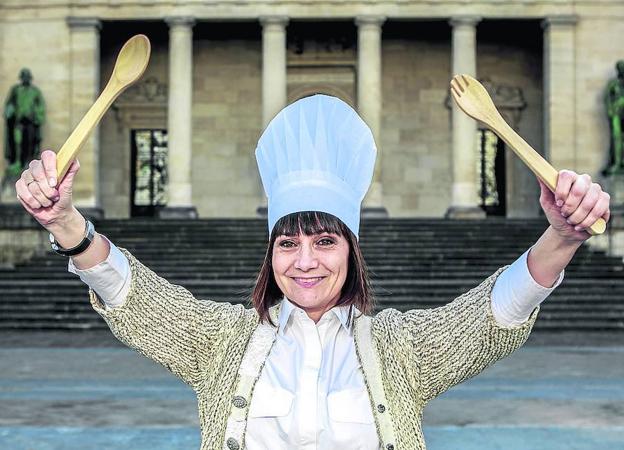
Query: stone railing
[21, 236]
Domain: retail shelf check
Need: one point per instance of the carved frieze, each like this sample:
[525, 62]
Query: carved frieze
[143, 105]
[509, 100]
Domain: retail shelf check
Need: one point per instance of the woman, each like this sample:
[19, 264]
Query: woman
[308, 367]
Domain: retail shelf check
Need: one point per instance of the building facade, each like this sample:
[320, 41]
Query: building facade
[184, 136]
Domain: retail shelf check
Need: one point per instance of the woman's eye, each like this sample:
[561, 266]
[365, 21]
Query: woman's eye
[326, 241]
[286, 244]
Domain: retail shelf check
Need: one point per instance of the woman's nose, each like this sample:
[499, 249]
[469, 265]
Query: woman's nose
[306, 259]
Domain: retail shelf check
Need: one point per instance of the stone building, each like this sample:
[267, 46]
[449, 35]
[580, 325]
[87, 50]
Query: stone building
[184, 136]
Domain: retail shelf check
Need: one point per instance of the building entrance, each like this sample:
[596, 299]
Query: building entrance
[149, 172]
[491, 173]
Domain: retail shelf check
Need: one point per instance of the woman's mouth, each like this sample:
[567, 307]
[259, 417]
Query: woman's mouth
[308, 282]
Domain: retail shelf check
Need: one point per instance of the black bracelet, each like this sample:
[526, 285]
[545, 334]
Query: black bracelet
[84, 244]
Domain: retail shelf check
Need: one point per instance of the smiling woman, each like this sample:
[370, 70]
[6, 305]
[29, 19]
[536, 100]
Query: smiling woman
[315, 261]
[310, 366]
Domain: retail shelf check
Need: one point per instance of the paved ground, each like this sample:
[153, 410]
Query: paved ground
[100, 395]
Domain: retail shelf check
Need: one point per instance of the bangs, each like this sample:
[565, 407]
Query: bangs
[308, 223]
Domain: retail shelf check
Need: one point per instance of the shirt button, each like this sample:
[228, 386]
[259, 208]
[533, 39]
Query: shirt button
[390, 447]
[232, 444]
[381, 408]
[239, 401]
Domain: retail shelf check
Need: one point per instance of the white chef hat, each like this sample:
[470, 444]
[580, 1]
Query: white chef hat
[317, 154]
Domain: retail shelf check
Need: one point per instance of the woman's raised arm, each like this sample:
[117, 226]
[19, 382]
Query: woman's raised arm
[161, 320]
[575, 205]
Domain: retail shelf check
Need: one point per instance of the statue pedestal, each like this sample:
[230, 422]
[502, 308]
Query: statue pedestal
[614, 185]
[613, 240]
[8, 194]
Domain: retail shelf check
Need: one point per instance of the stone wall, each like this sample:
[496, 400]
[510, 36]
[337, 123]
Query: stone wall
[596, 55]
[415, 132]
[227, 121]
[117, 123]
[42, 45]
[415, 143]
[509, 53]
[416, 135]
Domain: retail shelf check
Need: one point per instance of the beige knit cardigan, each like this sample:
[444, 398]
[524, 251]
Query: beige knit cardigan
[219, 349]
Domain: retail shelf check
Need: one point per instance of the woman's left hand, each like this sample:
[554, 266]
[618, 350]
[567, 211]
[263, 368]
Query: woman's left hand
[575, 205]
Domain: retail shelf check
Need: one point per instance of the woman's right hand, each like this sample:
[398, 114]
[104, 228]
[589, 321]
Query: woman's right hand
[40, 193]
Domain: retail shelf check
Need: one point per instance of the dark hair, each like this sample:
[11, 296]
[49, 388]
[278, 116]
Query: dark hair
[356, 289]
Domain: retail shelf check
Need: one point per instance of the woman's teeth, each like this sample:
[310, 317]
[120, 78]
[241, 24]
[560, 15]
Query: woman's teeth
[307, 282]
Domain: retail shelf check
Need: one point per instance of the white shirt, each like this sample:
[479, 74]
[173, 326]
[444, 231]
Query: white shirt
[311, 392]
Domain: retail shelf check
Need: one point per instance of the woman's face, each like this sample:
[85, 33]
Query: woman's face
[311, 270]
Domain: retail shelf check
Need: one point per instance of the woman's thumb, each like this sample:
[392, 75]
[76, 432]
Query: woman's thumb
[66, 184]
[545, 194]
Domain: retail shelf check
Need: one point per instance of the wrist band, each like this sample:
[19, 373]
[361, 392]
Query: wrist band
[81, 247]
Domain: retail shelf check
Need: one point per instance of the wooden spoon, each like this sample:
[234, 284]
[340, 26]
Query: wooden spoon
[474, 100]
[130, 65]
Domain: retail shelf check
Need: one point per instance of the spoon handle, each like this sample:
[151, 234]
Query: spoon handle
[540, 167]
[77, 138]
[534, 161]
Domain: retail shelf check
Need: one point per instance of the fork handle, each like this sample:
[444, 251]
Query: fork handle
[540, 167]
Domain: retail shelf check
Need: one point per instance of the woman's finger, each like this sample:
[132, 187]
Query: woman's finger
[41, 189]
[27, 207]
[48, 159]
[65, 185]
[579, 188]
[24, 195]
[600, 209]
[564, 184]
[587, 204]
[36, 191]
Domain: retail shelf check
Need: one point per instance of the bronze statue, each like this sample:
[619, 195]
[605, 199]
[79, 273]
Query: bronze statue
[24, 113]
[614, 100]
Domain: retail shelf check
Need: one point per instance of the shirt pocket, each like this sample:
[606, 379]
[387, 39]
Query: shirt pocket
[270, 401]
[350, 405]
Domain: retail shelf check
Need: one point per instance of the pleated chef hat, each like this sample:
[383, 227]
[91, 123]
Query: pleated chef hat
[317, 154]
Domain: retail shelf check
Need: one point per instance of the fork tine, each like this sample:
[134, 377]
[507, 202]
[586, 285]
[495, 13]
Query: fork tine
[457, 85]
[465, 80]
[454, 90]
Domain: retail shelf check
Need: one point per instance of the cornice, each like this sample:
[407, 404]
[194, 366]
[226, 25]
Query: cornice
[250, 10]
[84, 22]
[180, 21]
[273, 20]
[560, 20]
[468, 20]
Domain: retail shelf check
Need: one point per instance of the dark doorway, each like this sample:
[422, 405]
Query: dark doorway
[149, 174]
[491, 171]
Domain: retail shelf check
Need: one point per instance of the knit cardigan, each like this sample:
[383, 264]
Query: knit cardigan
[219, 349]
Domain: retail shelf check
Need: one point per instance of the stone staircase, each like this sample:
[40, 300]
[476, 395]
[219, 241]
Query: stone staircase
[415, 263]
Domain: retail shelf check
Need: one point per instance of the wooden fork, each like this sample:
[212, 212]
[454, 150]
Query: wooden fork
[474, 100]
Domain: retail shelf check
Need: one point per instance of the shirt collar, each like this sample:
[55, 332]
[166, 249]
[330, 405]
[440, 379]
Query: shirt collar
[344, 313]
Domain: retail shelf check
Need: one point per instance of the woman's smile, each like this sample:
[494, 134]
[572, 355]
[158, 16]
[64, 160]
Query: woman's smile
[308, 282]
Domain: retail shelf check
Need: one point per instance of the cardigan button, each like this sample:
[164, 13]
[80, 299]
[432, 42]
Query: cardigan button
[390, 447]
[232, 444]
[239, 401]
[381, 408]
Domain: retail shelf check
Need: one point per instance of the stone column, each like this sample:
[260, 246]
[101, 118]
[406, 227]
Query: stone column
[559, 91]
[179, 121]
[84, 88]
[273, 66]
[464, 200]
[369, 100]
[274, 86]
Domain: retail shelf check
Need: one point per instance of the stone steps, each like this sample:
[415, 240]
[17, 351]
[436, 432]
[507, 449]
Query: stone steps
[414, 263]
